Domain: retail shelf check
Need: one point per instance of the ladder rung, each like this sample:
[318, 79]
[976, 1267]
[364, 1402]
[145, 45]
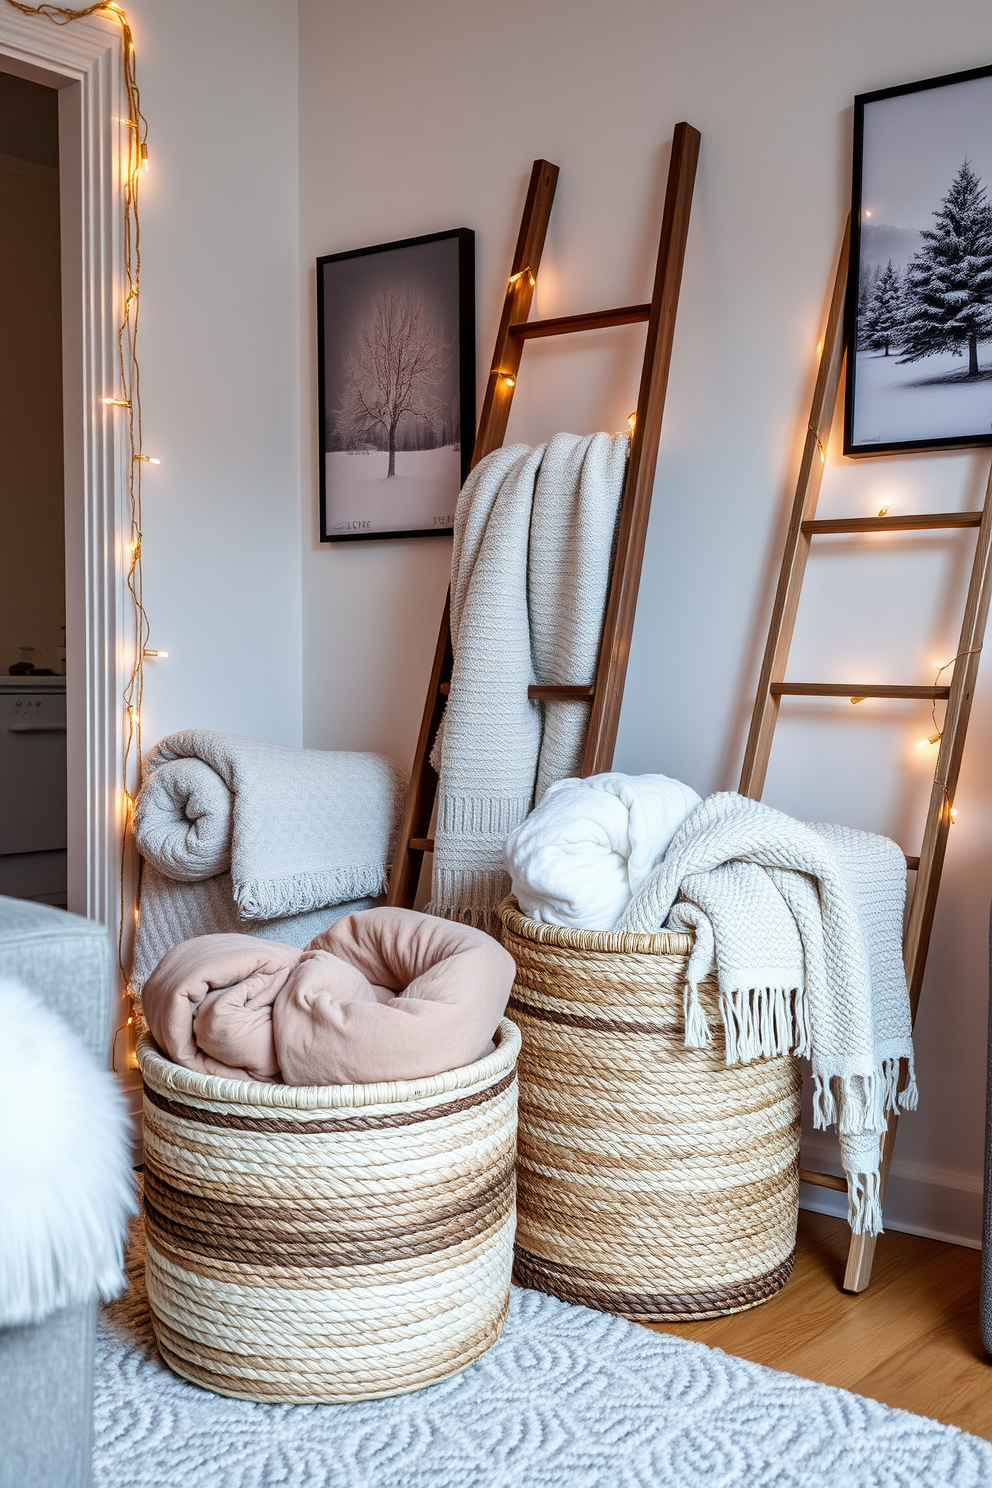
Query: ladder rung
[854, 690]
[822, 1180]
[912, 863]
[596, 320]
[420, 844]
[541, 692]
[559, 692]
[930, 521]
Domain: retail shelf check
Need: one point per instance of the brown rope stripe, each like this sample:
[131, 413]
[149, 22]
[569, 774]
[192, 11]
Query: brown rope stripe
[522, 1010]
[275, 1250]
[571, 1285]
[273, 1124]
[269, 1224]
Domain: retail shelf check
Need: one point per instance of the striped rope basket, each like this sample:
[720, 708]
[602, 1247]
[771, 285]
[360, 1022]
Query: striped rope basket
[652, 1180]
[328, 1243]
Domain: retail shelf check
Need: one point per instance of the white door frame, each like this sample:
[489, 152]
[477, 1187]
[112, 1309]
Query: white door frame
[83, 60]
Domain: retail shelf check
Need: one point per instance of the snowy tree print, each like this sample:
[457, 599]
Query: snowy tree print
[948, 288]
[881, 325]
[392, 373]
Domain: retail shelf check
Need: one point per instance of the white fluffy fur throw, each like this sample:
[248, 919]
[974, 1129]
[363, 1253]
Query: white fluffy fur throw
[66, 1185]
[804, 925]
[530, 569]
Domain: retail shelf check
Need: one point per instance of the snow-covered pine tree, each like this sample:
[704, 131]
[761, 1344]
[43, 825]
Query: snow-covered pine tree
[948, 288]
[882, 323]
[868, 277]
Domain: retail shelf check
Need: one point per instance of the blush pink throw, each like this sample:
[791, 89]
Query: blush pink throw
[386, 994]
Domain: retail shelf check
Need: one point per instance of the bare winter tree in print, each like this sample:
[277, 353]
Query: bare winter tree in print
[392, 373]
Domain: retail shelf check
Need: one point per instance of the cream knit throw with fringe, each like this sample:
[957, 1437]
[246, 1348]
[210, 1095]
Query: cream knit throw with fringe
[530, 570]
[804, 925]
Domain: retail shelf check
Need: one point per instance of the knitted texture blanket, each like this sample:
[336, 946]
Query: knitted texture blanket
[298, 829]
[530, 570]
[804, 926]
[172, 912]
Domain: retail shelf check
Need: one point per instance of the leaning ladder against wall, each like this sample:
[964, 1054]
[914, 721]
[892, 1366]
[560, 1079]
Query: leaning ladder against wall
[772, 686]
[606, 693]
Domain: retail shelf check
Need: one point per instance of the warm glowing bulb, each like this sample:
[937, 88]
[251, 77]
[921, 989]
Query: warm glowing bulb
[819, 348]
[954, 812]
[883, 511]
[143, 155]
[148, 652]
[867, 214]
[116, 402]
[932, 739]
[632, 420]
[823, 457]
[508, 381]
[148, 459]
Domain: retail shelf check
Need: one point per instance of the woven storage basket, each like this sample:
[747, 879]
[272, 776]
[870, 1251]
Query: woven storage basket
[321, 1244]
[652, 1180]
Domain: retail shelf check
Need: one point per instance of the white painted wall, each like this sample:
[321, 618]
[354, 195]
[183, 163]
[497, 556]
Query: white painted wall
[220, 368]
[427, 115]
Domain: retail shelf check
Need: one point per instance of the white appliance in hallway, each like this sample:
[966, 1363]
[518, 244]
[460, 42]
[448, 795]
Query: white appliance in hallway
[33, 789]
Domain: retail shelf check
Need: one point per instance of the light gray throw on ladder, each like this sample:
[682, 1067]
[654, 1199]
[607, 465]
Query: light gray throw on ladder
[530, 572]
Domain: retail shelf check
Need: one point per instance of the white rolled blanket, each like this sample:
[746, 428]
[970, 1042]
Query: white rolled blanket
[803, 923]
[589, 845]
[298, 829]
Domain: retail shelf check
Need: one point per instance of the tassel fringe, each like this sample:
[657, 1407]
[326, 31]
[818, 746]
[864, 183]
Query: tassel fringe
[697, 1029]
[758, 1022]
[864, 1204]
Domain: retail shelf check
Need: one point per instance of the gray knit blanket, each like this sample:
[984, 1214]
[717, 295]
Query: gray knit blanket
[266, 834]
[803, 923]
[530, 571]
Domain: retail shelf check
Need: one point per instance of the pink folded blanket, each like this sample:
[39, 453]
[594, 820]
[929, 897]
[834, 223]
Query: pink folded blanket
[386, 994]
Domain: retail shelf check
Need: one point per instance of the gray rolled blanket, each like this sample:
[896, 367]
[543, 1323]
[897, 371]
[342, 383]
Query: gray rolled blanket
[234, 828]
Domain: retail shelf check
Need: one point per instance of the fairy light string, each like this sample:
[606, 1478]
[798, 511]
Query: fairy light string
[135, 161]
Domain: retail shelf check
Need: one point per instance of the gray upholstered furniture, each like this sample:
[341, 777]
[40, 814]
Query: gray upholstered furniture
[46, 1369]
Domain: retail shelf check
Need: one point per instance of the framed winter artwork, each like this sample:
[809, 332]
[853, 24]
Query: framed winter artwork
[919, 301]
[396, 377]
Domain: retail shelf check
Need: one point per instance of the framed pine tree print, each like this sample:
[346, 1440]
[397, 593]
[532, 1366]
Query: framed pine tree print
[919, 300]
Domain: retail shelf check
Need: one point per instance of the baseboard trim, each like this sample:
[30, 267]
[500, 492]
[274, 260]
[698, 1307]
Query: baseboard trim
[931, 1202]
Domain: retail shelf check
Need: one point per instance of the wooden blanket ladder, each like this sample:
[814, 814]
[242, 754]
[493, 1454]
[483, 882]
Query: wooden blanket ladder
[606, 693]
[957, 696]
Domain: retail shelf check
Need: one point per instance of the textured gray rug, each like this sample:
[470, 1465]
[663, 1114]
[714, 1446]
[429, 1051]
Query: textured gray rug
[568, 1398]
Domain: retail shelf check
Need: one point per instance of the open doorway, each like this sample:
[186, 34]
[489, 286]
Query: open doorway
[33, 834]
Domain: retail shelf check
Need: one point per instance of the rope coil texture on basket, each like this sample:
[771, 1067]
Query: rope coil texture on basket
[652, 1180]
[328, 1244]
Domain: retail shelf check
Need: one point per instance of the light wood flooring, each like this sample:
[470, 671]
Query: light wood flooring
[912, 1339]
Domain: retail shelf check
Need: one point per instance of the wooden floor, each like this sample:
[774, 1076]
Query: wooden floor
[912, 1339]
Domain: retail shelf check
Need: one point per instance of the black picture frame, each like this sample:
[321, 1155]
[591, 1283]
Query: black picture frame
[900, 395]
[414, 297]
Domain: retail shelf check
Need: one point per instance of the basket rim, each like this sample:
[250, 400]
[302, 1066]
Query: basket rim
[485, 1071]
[606, 942]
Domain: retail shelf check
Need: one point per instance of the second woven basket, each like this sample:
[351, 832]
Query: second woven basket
[652, 1180]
